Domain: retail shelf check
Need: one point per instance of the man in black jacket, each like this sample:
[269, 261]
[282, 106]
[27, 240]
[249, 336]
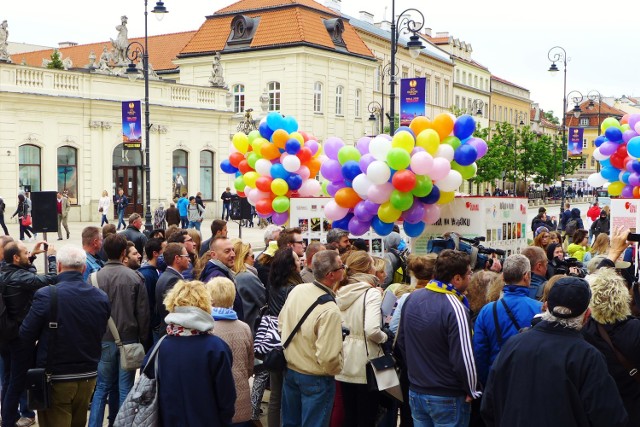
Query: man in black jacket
[177, 259]
[221, 265]
[21, 281]
[133, 234]
[82, 314]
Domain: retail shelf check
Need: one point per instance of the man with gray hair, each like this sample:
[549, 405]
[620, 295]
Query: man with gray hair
[564, 379]
[500, 320]
[307, 271]
[338, 238]
[80, 317]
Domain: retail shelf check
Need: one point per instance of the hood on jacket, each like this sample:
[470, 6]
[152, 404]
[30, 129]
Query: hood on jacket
[392, 240]
[191, 317]
[348, 294]
[575, 213]
[610, 297]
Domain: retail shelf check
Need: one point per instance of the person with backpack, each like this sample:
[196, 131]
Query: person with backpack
[396, 254]
[573, 224]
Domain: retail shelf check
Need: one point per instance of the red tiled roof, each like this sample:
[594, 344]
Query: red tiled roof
[507, 82]
[282, 22]
[162, 50]
[592, 113]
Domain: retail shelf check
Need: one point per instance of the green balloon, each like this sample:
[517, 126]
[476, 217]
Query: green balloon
[253, 135]
[398, 159]
[452, 141]
[467, 172]
[401, 200]
[423, 187]
[239, 184]
[280, 204]
[324, 187]
[347, 153]
[252, 158]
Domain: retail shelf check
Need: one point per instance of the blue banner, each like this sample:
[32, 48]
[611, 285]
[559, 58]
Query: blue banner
[131, 125]
[412, 99]
[574, 145]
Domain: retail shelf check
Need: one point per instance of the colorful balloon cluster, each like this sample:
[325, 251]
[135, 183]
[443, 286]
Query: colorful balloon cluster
[618, 150]
[384, 179]
[273, 163]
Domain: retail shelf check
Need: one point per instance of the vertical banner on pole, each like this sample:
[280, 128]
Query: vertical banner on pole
[131, 125]
[412, 99]
[574, 147]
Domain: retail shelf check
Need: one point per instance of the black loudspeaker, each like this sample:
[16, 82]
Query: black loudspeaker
[44, 211]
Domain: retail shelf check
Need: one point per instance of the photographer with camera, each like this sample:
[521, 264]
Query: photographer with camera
[558, 264]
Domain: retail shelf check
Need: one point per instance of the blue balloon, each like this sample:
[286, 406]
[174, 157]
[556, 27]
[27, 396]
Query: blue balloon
[393, 172]
[348, 183]
[278, 171]
[610, 173]
[350, 170]
[633, 146]
[600, 140]
[343, 223]
[414, 230]
[294, 181]
[432, 197]
[290, 124]
[613, 134]
[405, 129]
[292, 146]
[265, 131]
[275, 121]
[464, 126]
[465, 155]
[635, 165]
[227, 167]
[625, 177]
[380, 227]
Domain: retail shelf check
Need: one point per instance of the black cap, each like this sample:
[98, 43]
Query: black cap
[569, 292]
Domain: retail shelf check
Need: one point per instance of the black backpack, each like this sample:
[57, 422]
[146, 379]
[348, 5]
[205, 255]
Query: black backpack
[571, 227]
[8, 326]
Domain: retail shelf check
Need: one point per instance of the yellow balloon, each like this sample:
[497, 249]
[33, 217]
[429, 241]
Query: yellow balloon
[257, 144]
[250, 178]
[429, 140]
[615, 188]
[387, 213]
[320, 150]
[403, 140]
[446, 197]
[241, 142]
[279, 187]
[297, 136]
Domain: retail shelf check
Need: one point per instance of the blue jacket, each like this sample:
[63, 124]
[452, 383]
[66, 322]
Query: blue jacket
[94, 263]
[182, 205]
[485, 341]
[83, 311]
[536, 287]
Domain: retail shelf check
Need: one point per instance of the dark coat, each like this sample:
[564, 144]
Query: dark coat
[83, 311]
[21, 284]
[600, 225]
[212, 270]
[564, 379]
[253, 295]
[165, 283]
[134, 235]
[151, 275]
[172, 216]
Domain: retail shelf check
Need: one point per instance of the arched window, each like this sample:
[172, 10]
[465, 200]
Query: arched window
[29, 166]
[358, 102]
[180, 175]
[68, 173]
[238, 98]
[339, 94]
[317, 97]
[206, 174]
[274, 96]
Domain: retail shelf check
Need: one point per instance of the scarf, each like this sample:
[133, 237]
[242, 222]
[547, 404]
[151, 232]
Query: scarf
[220, 313]
[188, 321]
[173, 329]
[447, 288]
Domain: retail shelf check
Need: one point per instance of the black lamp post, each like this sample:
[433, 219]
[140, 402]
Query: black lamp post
[414, 45]
[135, 52]
[520, 121]
[592, 96]
[375, 110]
[478, 107]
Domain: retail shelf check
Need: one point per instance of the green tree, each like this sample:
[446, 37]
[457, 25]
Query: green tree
[550, 116]
[56, 61]
[496, 161]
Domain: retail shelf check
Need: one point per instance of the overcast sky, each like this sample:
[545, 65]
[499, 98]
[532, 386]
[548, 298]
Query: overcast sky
[511, 38]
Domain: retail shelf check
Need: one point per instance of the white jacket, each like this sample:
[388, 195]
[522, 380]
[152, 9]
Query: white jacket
[104, 203]
[350, 299]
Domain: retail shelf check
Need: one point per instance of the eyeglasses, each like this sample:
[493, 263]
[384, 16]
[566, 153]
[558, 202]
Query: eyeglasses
[184, 256]
[342, 267]
[298, 241]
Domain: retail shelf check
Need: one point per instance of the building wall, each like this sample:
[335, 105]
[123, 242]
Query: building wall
[508, 102]
[472, 83]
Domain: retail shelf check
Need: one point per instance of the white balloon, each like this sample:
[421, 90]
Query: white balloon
[379, 147]
[445, 151]
[598, 155]
[378, 172]
[596, 180]
[361, 185]
[263, 167]
[291, 163]
[310, 188]
[451, 182]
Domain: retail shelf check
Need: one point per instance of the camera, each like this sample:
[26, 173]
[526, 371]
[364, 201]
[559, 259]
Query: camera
[564, 267]
[345, 331]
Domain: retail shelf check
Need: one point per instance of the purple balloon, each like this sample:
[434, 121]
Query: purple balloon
[263, 215]
[332, 146]
[608, 148]
[312, 145]
[480, 145]
[417, 150]
[333, 187]
[363, 145]
[361, 212]
[634, 179]
[629, 166]
[372, 208]
[280, 218]
[628, 134]
[357, 227]
[332, 170]
[415, 213]
[633, 119]
[627, 191]
[365, 161]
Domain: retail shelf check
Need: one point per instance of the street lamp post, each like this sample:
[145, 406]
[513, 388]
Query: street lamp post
[592, 97]
[478, 107]
[391, 72]
[136, 52]
[520, 121]
[414, 45]
[375, 111]
[557, 54]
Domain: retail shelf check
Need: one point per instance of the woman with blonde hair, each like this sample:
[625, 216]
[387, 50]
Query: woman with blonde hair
[103, 207]
[194, 366]
[359, 302]
[477, 290]
[197, 240]
[600, 245]
[238, 336]
[248, 285]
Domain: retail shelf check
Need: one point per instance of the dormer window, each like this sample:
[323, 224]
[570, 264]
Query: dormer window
[335, 27]
[243, 28]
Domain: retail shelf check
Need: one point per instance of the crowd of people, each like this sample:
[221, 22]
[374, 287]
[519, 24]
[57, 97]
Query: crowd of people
[553, 323]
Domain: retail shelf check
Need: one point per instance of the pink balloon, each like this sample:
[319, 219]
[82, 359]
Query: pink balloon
[421, 163]
[333, 212]
[441, 168]
[304, 173]
[256, 195]
[310, 188]
[380, 193]
[431, 213]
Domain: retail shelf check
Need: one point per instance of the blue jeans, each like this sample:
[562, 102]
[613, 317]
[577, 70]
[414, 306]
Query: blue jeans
[110, 375]
[104, 220]
[439, 411]
[121, 219]
[307, 400]
[194, 224]
[17, 359]
[183, 222]
[225, 210]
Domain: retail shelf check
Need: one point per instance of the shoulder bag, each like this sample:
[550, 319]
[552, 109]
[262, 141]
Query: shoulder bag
[131, 355]
[380, 371]
[497, 324]
[631, 370]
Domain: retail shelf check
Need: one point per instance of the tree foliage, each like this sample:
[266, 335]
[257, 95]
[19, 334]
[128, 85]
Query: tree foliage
[56, 61]
[549, 115]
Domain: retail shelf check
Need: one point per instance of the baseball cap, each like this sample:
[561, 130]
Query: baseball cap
[572, 293]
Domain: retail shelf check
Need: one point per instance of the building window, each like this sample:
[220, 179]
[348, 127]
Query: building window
[475, 81]
[274, 96]
[317, 97]
[339, 93]
[446, 95]
[584, 143]
[68, 173]
[464, 77]
[500, 114]
[206, 174]
[238, 98]
[426, 89]
[29, 166]
[379, 78]
[458, 76]
[584, 121]
[358, 102]
[180, 173]
[436, 93]
[458, 101]
[593, 162]
[494, 117]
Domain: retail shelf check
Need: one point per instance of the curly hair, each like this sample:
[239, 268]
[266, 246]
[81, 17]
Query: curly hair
[284, 269]
[537, 241]
[222, 291]
[610, 299]
[188, 294]
[478, 289]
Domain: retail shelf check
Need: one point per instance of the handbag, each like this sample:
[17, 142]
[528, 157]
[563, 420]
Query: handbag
[267, 336]
[100, 210]
[39, 379]
[140, 408]
[631, 369]
[131, 355]
[26, 220]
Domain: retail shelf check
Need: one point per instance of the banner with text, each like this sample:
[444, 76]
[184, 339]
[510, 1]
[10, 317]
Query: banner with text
[574, 146]
[131, 125]
[412, 99]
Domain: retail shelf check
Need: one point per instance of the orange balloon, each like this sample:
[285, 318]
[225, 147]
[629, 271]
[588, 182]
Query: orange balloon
[314, 167]
[624, 120]
[419, 124]
[269, 151]
[347, 198]
[636, 192]
[443, 124]
[280, 138]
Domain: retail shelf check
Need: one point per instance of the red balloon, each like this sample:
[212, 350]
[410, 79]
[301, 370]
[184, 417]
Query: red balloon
[235, 159]
[241, 194]
[244, 167]
[305, 136]
[617, 161]
[404, 180]
[263, 206]
[304, 155]
[264, 184]
[622, 150]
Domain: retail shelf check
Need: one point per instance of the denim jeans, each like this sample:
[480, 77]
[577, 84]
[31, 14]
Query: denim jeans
[194, 224]
[184, 222]
[225, 210]
[307, 399]
[104, 220]
[439, 411]
[17, 359]
[110, 375]
[121, 219]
